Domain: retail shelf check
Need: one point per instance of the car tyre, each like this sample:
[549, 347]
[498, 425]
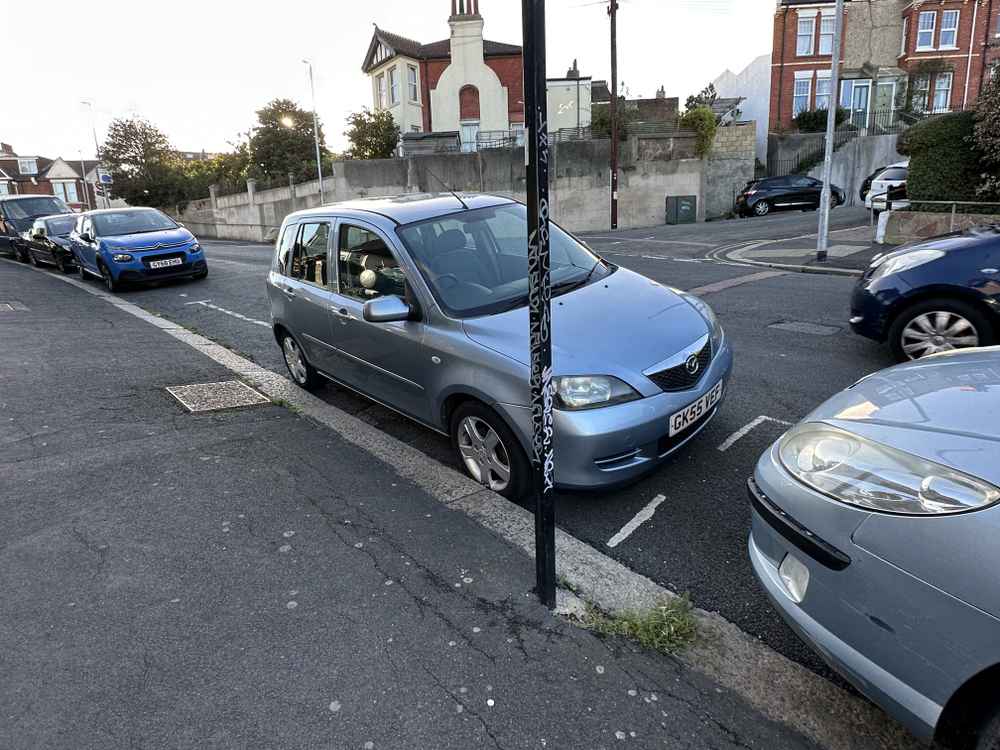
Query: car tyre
[761, 208]
[32, 260]
[61, 265]
[988, 738]
[200, 275]
[489, 451]
[942, 324]
[20, 255]
[109, 281]
[303, 374]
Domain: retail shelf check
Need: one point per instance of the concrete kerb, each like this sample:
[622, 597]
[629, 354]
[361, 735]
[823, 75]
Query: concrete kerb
[736, 255]
[780, 689]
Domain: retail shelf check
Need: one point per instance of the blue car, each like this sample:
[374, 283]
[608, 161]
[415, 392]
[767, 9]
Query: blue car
[933, 296]
[125, 245]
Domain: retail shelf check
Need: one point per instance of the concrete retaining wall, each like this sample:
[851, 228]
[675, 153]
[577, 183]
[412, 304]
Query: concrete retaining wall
[907, 226]
[857, 159]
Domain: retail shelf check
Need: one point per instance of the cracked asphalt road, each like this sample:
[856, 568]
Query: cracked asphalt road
[247, 579]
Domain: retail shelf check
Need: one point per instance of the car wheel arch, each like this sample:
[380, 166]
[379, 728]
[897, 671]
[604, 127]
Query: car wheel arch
[456, 398]
[940, 291]
[968, 708]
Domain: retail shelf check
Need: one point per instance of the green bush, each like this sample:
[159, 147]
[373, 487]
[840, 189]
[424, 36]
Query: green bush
[814, 120]
[702, 121]
[945, 164]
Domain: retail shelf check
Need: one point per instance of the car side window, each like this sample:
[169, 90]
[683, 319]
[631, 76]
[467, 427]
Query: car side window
[309, 254]
[285, 247]
[365, 265]
[803, 182]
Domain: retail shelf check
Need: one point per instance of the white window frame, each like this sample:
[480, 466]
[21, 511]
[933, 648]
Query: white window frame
[61, 189]
[800, 50]
[823, 77]
[393, 87]
[949, 29]
[802, 77]
[32, 166]
[925, 91]
[826, 37]
[946, 105]
[932, 14]
[466, 128]
[906, 32]
[413, 83]
[4, 187]
[380, 92]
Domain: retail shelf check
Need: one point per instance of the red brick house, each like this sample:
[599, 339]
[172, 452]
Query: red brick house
[37, 175]
[913, 56]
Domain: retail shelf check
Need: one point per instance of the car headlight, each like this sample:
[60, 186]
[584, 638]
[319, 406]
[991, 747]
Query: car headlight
[121, 258]
[709, 315]
[897, 264]
[869, 475]
[591, 391]
[195, 248]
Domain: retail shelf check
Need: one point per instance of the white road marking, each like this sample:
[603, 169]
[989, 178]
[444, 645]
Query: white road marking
[661, 242]
[741, 433]
[640, 518]
[208, 303]
[720, 286]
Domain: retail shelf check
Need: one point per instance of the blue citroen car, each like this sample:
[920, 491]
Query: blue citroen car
[932, 296]
[125, 245]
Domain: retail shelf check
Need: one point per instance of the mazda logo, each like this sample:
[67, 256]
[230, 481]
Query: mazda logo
[692, 365]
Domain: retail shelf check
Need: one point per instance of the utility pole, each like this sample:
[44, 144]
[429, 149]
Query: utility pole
[539, 298]
[823, 237]
[319, 160]
[613, 12]
[83, 179]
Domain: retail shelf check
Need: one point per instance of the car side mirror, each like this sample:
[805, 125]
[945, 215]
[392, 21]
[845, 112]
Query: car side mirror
[389, 309]
[38, 234]
[85, 236]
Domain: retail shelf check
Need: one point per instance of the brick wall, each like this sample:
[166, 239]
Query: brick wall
[510, 70]
[468, 103]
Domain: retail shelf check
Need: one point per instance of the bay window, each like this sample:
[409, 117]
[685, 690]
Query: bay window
[925, 30]
[942, 91]
[800, 96]
[805, 36]
[949, 30]
[826, 29]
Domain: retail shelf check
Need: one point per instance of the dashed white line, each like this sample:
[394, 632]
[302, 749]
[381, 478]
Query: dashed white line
[239, 316]
[638, 520]
[741, 433]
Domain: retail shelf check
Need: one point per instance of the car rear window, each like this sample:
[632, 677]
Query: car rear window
[894, 173]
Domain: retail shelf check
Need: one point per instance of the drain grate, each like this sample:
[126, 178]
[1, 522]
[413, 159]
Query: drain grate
[13, 307]
[798, 326]
[229, 394]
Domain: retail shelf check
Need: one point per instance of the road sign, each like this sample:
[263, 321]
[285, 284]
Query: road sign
[105, 178]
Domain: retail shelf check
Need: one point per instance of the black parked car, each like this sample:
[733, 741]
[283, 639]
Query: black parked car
[17, 216]
[48, 242]
[794, 192]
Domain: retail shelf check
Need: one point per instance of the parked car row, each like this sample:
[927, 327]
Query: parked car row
[118, 245]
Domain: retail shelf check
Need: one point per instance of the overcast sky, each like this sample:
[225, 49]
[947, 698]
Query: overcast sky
[200, 69]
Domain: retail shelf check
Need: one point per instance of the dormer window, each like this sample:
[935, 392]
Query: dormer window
[27, 166]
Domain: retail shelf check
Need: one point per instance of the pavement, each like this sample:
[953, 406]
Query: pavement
[249, 578]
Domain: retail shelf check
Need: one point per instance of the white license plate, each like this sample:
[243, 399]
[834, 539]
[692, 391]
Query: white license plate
[165, 263]
[693, 412]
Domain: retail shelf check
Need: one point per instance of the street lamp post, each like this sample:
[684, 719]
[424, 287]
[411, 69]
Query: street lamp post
[823, 236]
[97, 151]
[319, 160]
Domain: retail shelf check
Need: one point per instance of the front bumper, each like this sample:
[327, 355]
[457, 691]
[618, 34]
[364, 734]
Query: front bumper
[136, 272]
[615, 445]
[871, 306]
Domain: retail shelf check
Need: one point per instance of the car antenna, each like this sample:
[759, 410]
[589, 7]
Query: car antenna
[451, 190]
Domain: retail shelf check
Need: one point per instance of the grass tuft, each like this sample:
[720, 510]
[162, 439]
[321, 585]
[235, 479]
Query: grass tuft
[669, 627]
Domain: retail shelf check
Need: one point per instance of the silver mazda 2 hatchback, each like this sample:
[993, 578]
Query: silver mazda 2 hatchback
[420, 303]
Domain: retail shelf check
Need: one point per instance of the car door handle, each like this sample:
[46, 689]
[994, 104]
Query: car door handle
[287, 292]
[344, 314]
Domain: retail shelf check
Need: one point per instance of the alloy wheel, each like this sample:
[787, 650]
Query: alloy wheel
[294, 360]
[937, 331]
[762, 208]
[484, 453]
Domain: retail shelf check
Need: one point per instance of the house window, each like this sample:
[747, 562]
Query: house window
[4, 188]
[942, 91]
[949, 29]
[800, 98]
[826, 29]
[380, 96]
[411, 82]
[66, 191]
[906, 33]
[27, 166]
[925, 30]
[921, 90]
[393, 87]
[806, 33]
[824, 86]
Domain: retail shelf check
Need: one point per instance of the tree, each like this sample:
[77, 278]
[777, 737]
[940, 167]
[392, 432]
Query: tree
[142, 163]
[986, 135]
[704, 98]
[282, 143]
[702, 121]
[373, 135]
[600, 122]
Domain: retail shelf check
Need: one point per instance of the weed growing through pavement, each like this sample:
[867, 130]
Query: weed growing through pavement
[668, 628]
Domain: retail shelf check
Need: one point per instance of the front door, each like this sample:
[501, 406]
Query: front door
[859, 105]
[308, 288]
[885, 100]
[383, 360]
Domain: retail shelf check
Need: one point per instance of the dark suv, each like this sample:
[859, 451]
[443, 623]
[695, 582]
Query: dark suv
[795, 192]
[18, 214]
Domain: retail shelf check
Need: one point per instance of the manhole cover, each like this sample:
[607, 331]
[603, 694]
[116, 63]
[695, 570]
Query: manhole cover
[814, 329]
[13, 307]
[229, 394]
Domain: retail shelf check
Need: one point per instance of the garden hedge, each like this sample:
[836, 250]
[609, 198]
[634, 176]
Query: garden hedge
[944, 162]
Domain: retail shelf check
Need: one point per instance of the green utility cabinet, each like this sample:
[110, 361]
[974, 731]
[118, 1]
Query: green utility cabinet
[682, 209]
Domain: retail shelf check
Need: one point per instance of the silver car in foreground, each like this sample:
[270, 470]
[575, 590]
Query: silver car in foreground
[876, 534]
[420, 303]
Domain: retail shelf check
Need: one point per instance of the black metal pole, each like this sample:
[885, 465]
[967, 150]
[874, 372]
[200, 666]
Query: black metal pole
[613, 12]
[539, 297]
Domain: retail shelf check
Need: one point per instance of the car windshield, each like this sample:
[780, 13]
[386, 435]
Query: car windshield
[894, 173]
[31, 208]
[61, 226]
[131, 222]
[476, 262]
